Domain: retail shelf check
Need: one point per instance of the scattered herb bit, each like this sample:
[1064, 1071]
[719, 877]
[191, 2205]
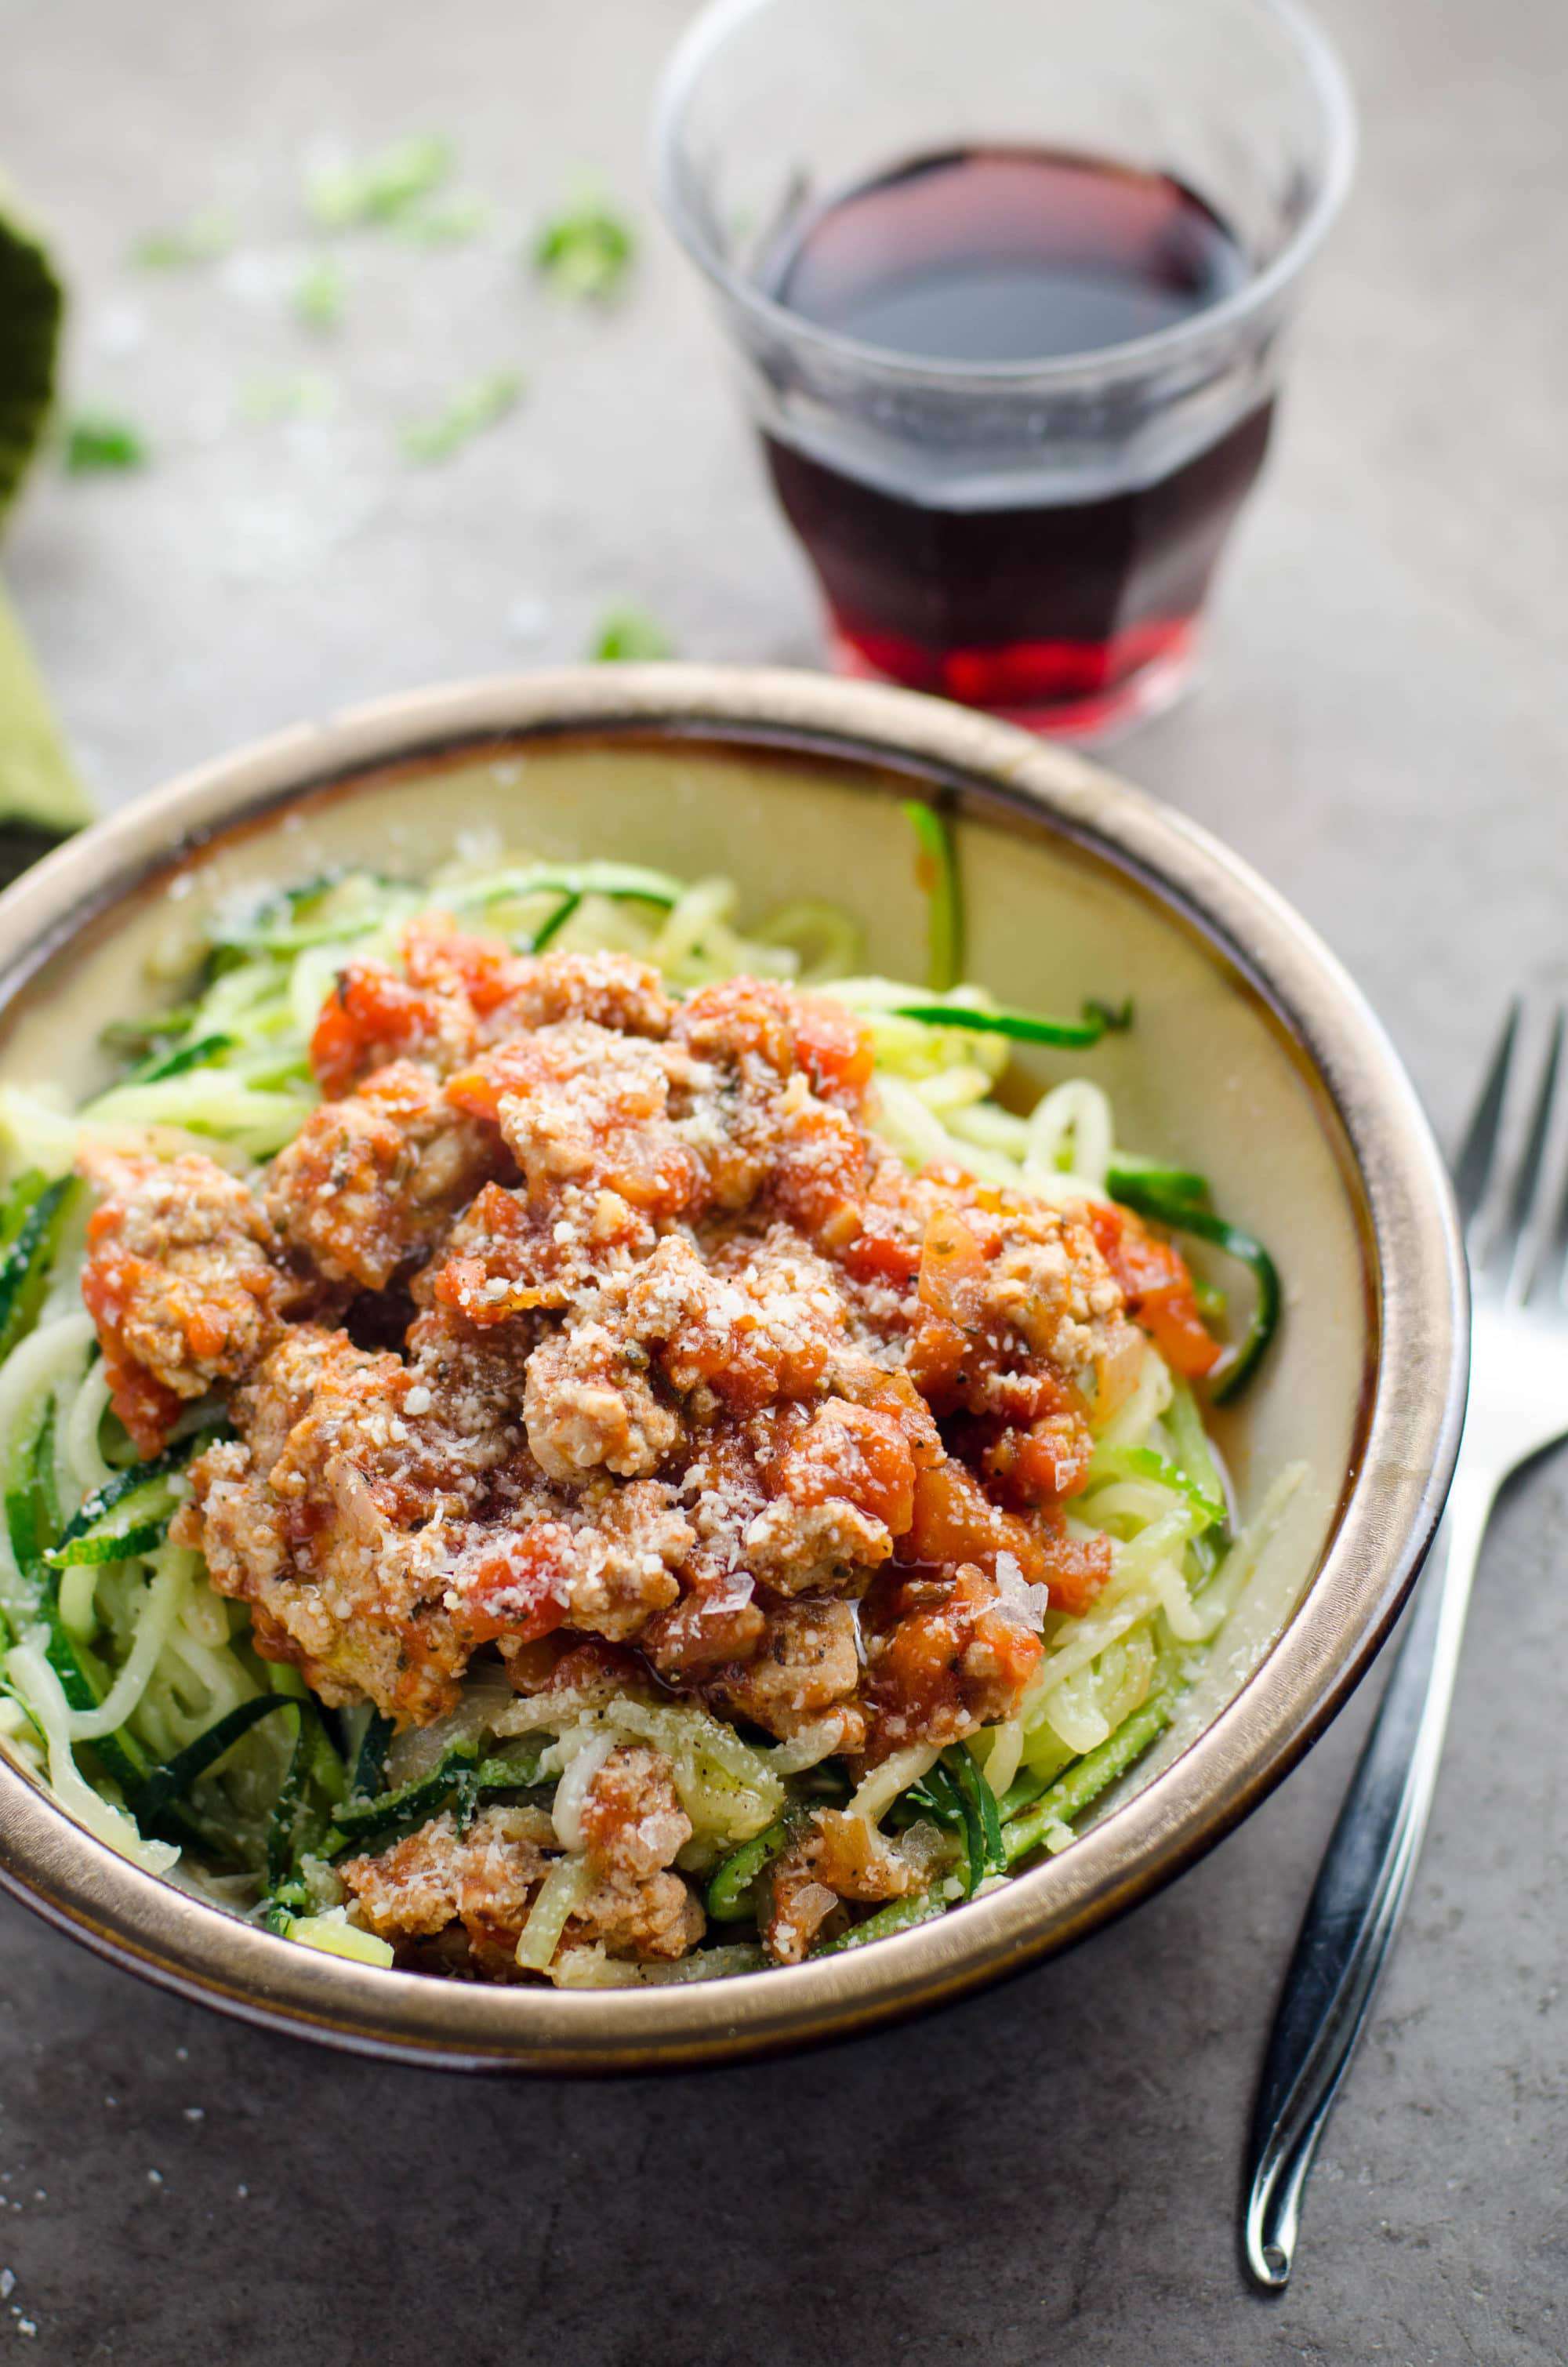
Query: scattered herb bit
[586, 253]
[447, 225]
[308, 396]
[470, 411]
[630, 633]
[384, 189]
[203, 239]
[958, 1795]
[319, 293]
[95, 441]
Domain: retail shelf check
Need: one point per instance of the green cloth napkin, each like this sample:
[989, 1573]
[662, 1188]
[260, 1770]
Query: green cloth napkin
[41, 795]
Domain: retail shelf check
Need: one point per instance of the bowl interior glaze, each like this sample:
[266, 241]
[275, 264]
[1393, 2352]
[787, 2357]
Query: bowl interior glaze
[1074, 887]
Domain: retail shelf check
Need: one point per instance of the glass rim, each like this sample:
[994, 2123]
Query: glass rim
[1325, 75]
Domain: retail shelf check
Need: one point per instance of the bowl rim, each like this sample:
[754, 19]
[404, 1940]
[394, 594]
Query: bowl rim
[1395, 1490]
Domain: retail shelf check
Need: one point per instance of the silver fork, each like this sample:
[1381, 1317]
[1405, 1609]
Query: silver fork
[1512, 1197]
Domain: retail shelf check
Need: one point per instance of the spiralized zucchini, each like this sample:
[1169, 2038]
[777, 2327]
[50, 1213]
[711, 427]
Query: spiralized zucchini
[133, 1689]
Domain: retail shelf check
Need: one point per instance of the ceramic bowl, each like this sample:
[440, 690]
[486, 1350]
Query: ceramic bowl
[1253, 1059]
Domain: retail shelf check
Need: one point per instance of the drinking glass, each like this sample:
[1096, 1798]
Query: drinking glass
[1033, 537]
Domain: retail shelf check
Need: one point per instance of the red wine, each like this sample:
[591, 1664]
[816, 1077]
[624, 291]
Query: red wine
[1049, 609]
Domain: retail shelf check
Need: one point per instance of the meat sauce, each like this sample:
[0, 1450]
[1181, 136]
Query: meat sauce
[700, 1381]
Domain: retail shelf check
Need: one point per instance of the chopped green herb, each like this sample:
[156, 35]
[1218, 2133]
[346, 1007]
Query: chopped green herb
[203, 239]
[447, 225]
[470, 411]
[586, 252]
[308, 396]
[384, 189]
[630, 633]
[319, 293]
[958, 1795]
[95, 441]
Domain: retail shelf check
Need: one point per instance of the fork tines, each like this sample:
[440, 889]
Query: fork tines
[1512, 1175]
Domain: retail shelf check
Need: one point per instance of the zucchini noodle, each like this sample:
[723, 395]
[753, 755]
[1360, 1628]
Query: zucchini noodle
[130, 1681]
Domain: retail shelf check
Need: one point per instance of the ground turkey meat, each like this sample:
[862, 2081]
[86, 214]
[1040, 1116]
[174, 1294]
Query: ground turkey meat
[699, 1383]
[633, 1826]
[835, 1857]
[806, 1671]
[591, 1407]
[483, 1877]
[333, 1515]
[371, 1183]
[181, 1280]
[486, 1876]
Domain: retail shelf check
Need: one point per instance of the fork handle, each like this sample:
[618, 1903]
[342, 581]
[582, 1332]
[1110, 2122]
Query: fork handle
[1360, 1895]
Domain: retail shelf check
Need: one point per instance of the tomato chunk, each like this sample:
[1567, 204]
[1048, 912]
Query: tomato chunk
[372, 1018]
[853, 1452]
[1161, 1299]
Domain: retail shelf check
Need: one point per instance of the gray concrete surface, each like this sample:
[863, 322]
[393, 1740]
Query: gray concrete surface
[1049, 2174]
